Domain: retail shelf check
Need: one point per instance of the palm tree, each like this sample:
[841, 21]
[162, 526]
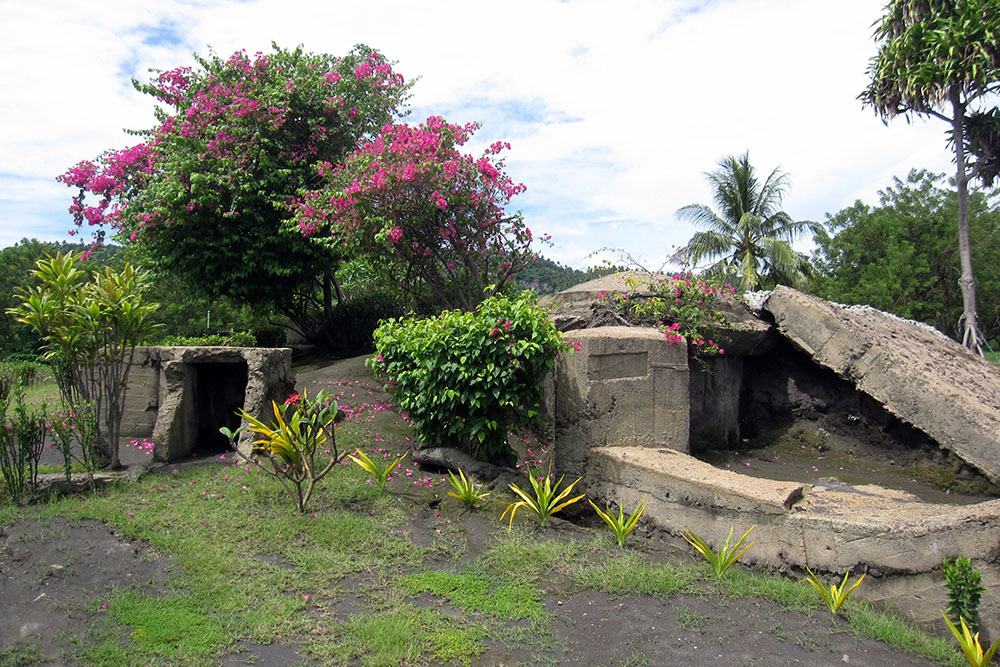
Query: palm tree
[750, 235]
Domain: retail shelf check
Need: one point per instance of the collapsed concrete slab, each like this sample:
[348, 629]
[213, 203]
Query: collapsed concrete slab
[916, 373]
[180, 396]
[830, 528]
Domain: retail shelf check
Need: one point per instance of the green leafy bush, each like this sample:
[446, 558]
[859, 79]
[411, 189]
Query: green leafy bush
[269, 335]
[349, 330]
[236, 339]
[684, 307]
[965, 590]
[465, 378]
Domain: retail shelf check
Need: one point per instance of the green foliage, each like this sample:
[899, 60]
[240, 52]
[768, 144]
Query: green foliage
[686, 309]
[547, 499]
[292, 446]
[349, 329]
[965, 590]
[901, 256]
[749, 236]
[544, 276]
[76, 431]
[235, 339]
[22, 440]
[89, 331]
[237, 138]
[466, 491]
[835, 596]
[467, 379]
[969, 642]
[379, 471]
[621, 526]
[726, 557]
[933, 56]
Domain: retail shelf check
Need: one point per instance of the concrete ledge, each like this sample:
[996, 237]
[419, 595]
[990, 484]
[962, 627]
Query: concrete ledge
[898, 539]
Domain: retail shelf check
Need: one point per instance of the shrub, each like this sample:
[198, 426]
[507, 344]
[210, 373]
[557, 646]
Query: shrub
[89, 332]
[269, 335]
[235, 339]
[349, 330]
[965, 589]
[682, 306]
[467, 379]
[22, 440]
[304, 432]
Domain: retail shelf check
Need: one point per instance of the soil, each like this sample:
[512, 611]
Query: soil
[53, 573]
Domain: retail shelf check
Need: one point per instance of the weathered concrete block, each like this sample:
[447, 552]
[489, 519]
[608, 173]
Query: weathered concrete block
[625, 386]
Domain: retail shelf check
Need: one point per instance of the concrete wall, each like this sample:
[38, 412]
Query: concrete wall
[163, 402]
[626, 385]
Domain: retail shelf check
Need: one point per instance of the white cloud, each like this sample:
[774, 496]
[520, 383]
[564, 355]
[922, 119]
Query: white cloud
[614, 110]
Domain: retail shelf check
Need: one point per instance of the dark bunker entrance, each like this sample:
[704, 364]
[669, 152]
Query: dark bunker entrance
[218, 391]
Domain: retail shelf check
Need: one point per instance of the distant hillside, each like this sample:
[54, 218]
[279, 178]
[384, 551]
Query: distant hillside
[543, 276]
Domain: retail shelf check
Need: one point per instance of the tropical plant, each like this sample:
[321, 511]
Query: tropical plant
[621, 526]
[547, 500]
[749, 236]
[379, 471]
[932, 56]
[236, 139]
[427, 213]
[836, 595]
[969, 642]
[684, 308]
[74, 434]
[726, 557]
[965, 590]
[89, 332]
[293, 445]
[468, 378]
[465, 491]
[22, 441]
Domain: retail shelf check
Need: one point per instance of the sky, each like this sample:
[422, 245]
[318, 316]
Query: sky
[614, 110]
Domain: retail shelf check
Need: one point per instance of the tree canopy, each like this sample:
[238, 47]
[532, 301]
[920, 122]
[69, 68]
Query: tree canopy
[900, 256]
[208, 190]
[432, 215]
[748, 236]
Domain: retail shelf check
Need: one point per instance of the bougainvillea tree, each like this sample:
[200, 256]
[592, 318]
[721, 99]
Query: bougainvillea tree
[207, 192]
[434, 215]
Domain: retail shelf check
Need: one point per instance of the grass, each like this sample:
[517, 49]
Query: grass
[247, 567]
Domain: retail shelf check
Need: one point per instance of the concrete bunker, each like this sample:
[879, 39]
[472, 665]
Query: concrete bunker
[180, 396]
[631, 435]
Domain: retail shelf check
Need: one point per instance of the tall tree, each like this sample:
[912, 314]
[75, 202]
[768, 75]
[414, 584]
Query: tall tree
[935, 56]
[749, 236]
[207, 192]
[900, 255]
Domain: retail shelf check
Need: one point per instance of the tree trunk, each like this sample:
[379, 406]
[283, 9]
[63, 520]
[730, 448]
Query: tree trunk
[971, 338]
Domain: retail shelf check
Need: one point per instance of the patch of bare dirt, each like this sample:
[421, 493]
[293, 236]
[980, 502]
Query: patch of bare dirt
[54, 574]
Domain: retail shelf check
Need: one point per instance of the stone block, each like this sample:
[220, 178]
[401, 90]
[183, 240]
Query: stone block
[625, 386]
